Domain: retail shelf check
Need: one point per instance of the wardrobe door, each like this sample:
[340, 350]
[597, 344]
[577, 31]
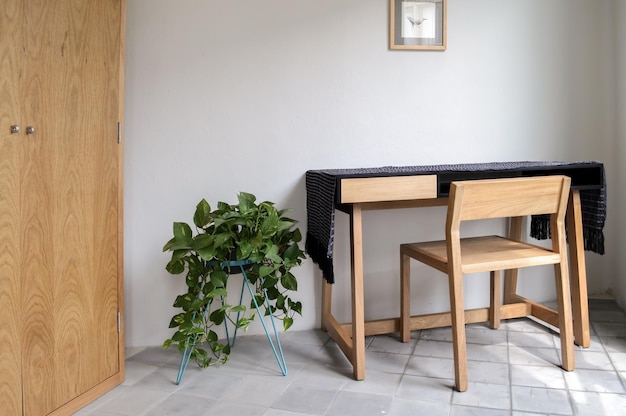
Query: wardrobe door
[10, 341]
[69, 201]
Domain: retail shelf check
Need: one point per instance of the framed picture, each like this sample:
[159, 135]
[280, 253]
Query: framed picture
[417, 25]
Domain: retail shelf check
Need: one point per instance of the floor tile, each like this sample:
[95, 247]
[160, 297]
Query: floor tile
[134, 401]
[376, 382]
[614, 329]
[332, 356]
[404, 407]
[619, 360]
[350, 403]
[491, 396]
[614, 344]
[210, 385]
[392, 344]
[257, 390]
[594, 381]
[523, 325]
[477, 411]
[181, 405]
[534, 356]
[326, 376]
[135, 371]
[235, 409]
[430, 367]
[531, 339]
[437, 334]
[425, 389]
[541, 400]
[428, 348]
[514, 370]
[599, 404]
[305, 399]
[490, 353]
[592, 360]
[538, 376]
[486, 372]
[385, 361]
[279, 412]
[157, 356]
[481, 335]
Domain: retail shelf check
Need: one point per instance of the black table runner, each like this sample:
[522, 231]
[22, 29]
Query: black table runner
[322, 197]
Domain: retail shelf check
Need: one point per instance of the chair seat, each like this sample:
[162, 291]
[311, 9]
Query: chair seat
[482, 254]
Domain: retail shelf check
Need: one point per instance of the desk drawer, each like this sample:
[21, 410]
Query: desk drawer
[392, 188]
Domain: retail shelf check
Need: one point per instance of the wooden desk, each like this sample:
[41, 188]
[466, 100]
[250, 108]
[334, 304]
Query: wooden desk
[354, 191]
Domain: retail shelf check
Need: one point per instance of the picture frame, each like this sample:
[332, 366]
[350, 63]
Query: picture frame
[418, 24]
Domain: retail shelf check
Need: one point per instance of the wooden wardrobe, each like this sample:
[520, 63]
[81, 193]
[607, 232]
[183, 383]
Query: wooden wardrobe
[61, 107]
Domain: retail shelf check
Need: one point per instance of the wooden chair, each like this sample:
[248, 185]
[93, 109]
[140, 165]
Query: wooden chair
[456, 256]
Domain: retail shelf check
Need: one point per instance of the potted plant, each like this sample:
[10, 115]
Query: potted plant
[256, 233]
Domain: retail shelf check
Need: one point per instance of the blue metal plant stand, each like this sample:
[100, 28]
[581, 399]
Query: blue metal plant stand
[277, 348]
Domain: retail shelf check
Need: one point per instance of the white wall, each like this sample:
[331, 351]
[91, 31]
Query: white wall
[620, 155]
[223, 97]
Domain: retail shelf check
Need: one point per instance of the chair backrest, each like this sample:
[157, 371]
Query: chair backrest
[509, 197]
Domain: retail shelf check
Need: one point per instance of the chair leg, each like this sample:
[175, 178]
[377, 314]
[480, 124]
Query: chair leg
[458, 331]
[405, 297]
[496, 301]
[566, 327]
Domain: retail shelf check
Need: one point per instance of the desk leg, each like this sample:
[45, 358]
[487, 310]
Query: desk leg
[510, 276]
[327, 295]
[358, 314]
[578, 273]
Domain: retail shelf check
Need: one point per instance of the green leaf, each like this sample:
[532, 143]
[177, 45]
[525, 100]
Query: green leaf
[182, 231]
[287, 322]
[259, 300]
[245, 249]
[202, 216]
[218, 316]
[289, 282]
[168, 245]
[272, 254]
[269, 227]
[178, 336]
[177, 320]
[175, 266]
[296, 307]
[219, 278]
[223, 239]
[242, 323]
[280, 302]
[202, 241]
[293, 252]
[296, 236]
[181, 244]
[182, 300]
[273, 292]
[285, 224]
[246, 202]
[266, 270]
[217, 292]
[270, 281]
[207, 253]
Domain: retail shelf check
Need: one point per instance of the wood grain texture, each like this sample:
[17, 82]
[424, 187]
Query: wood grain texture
[456, 256]
[69, 201]
[393, 188]
[10, 336]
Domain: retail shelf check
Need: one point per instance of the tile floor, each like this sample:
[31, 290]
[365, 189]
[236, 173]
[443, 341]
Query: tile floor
[512, 371]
